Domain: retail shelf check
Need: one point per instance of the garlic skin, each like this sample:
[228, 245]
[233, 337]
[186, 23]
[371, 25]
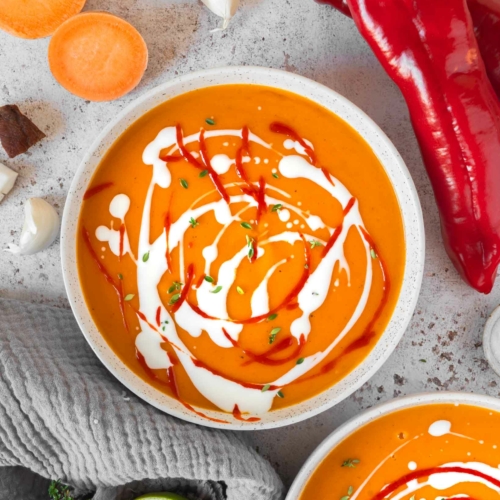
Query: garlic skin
[40, 228]
[7, 179]
[223, 8]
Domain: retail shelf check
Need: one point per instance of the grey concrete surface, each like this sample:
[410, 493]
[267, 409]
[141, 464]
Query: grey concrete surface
[295, 35]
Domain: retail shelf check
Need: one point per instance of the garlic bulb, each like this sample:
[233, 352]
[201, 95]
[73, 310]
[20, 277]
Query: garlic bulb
[40, 228]
[223, 8]
[7, 179]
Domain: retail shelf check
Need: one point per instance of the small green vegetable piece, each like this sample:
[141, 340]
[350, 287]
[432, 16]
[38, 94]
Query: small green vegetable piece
[184, 183]
[345, 497]
[266, 387]
[193, 222]
[315, 243]
[240, 290]
[145, 257]
[210, 121]
[59, 491]
[350, 491]
[217, 289]
[175, 286]
[249, 240]
[203, 173]
[128, 297]
[277, 207]
[120, 276]
[246, 225]
[280, 394]
[209, 279]
[350, 462]
[274, 332]
[275, 175]
[250, 252]
[174, 299]
[300, 361]
[272, 316]
[373, 254]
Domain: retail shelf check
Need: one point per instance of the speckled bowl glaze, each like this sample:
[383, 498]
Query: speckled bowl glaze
[385, 151]
[342, 432]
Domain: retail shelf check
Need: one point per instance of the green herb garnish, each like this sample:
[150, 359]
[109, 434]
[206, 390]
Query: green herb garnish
[275, 175]
[274, 332]
[277, 207]
[315, 243]
[250, 252]
[59, 491]
[193, 222]
[174, 299]
[120, 276]
[266, 387]
[240, 290]
[272, 316]
[217, 289]
[210, 121]
[175, 286]
[184, 183]
[209, 279]
[373, 254]
[350, 491]
[300, 361]
[280, 394]
[203, 173]
[128, 297]
[145, 257]
[350, 462]
[246, 225]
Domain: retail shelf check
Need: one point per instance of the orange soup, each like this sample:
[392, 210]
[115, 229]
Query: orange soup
[428, 452]
[240, 248]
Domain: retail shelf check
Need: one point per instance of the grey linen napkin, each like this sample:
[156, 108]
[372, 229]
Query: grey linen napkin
[62, 415]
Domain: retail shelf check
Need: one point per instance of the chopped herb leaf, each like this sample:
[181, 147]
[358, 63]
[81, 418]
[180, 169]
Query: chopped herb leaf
[210, 121]
[350, 462]
[373, 254]
[193, 222]
[217, 289]
[184, 183]
[350, 490]
[174, 298]
[300, 361]
[120, 276]
[306, 266]
[315, 293]
[272, 316]
[266, 387]
[345, 497]
[277, 207]
[129, 296]
[203, 173]
[163, 328]
[145, 257]
[240, 290]
[412, 497]
[246, 225]
[315, 243]
[249, 240]
[175, 286]
[280, 394]
[209, 279]
[272, 335]
[275, 175]
[250, 252]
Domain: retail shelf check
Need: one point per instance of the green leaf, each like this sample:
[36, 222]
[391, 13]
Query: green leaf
[300, 361]
[345, 497]
[350, 462]
[210, 121]
[315, 243]
[128, 297]
[272, 316]
[171, 289]
[209, 279]
[174, 298]
[203, 173]
[280, 394]
[275, 175]
[246, 225]
[184, 183]
[274, 332]
[240, 290]
[373, 254]
[350, 491]
[145, 257]
[250, 252]
[266, 387]
[217, 289]
[277, 207]
[193, 222]
[120, 276]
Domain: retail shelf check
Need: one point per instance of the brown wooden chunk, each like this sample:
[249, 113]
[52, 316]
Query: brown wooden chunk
[17, 132]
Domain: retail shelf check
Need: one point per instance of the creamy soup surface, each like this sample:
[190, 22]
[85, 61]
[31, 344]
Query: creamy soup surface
[429, 452]
[241, 249]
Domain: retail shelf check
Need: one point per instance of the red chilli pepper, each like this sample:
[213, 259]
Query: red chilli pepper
[428, 48]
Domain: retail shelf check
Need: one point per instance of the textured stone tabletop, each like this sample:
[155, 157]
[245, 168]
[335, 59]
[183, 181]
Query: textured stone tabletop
[295, 35]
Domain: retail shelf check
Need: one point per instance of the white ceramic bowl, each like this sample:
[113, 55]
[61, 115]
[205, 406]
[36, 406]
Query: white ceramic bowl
[367, 416]
[385, 151]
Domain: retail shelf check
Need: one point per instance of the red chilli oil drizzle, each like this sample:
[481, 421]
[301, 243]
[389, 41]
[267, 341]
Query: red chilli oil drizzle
[237, 416]
[185, 288]
[97, 189]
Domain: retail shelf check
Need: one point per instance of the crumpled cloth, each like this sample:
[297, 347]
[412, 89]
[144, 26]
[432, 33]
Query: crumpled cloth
[64, 416]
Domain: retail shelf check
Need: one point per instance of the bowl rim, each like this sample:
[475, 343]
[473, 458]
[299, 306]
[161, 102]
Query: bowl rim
[411, 280]
[375, 412]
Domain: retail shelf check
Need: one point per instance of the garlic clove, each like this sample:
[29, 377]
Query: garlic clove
[223, 8]
[7, 179]
[40, 228]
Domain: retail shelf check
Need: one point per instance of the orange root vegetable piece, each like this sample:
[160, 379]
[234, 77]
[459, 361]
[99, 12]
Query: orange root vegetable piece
[36, 18]
[97, 56]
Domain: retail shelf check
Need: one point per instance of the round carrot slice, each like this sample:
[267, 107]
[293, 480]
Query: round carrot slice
[36, 18]
[97, 56]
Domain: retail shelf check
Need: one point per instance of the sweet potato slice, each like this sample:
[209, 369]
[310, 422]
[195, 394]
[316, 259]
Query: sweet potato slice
[97, 56]
[17, 132]
[36, 18]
